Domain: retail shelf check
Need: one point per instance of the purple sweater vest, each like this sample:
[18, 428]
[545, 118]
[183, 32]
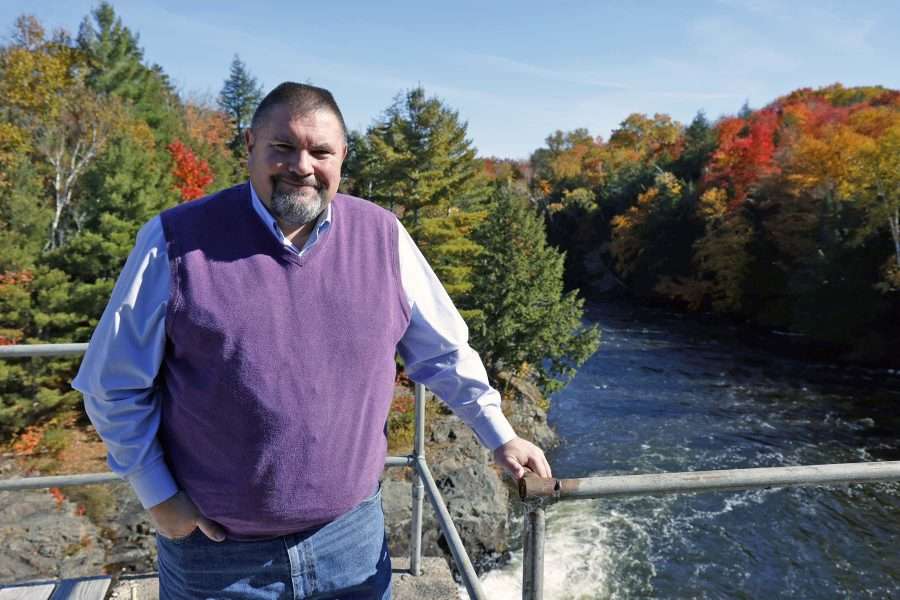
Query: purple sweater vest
[279, 370]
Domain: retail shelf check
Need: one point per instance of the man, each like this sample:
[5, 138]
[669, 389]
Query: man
[242, 372]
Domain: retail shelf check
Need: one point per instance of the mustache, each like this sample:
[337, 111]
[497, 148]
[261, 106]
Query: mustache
[297, 181]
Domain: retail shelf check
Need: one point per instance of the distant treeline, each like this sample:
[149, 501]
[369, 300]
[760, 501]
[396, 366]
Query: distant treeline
[786, 216]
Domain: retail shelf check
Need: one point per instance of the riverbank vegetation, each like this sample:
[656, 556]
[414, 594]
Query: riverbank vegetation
[785, 216]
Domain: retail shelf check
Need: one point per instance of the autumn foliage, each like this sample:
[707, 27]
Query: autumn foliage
[191, 174]
[788, 215]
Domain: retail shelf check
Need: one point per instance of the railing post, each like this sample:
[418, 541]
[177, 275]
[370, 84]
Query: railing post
[418, 489]
[533, 553]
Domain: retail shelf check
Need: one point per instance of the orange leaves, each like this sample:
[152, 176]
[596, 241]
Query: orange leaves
[58, 497]
[28, 441]
[207, 126]
[192, 174]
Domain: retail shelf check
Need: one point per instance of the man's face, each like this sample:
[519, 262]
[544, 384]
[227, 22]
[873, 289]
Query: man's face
[295, 163]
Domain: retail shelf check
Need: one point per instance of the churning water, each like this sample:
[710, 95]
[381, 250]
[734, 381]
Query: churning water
[673, 393]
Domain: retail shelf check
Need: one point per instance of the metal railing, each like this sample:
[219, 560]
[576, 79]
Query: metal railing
[532, 490]
[423, 483]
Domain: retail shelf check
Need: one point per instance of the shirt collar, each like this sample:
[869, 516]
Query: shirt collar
[322, 223]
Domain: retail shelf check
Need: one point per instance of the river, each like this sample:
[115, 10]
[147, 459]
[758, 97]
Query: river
[668, 392]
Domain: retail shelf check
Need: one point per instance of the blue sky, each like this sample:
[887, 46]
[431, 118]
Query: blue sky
[515, 71]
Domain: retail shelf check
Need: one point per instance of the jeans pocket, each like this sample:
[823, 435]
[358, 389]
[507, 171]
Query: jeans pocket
[180, 540]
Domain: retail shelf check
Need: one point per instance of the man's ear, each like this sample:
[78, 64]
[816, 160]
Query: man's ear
[248, 139]
[346, 151]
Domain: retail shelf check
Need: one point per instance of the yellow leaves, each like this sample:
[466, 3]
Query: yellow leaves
[33, 80]
[713, 204]
[721, 256]
[668, 184]
[13, 145]
[822, 165]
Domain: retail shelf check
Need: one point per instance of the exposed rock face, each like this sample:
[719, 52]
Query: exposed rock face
[44, 539]
[478, 497]
[522, 403]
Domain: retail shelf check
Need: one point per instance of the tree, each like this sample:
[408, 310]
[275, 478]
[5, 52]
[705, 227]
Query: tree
[239, 98]
[71, 143]
[191, 174]
[745, 153]
[416, 159]
[447, 241]
[528, 325]
[874, 183]
[115, 67]
[418, 162]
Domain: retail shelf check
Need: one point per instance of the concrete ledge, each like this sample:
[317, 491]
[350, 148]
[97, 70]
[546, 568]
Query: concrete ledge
[436, 583]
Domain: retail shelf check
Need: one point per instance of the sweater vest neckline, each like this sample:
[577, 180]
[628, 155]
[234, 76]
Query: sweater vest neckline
[280, 250]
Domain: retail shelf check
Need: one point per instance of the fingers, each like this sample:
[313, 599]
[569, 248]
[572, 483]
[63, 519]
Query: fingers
[537, 462]
[519, 456]
[211, 530]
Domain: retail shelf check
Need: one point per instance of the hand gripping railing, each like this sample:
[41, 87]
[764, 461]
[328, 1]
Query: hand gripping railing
[422, 479]
[533, 490]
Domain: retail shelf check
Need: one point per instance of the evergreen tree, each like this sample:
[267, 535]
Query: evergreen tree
[116, 68]
[700, 141]
[418, 161]
[528, 324]
[239, 98]
[447, 241]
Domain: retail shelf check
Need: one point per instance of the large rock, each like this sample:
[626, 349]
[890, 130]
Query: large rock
[44, 538]
[478, 497]
[523, 405]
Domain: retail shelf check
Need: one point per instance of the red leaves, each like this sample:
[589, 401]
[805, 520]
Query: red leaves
[745, 154]
[192, 174]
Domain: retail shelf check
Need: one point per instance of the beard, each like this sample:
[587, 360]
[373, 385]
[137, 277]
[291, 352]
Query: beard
[294, 208]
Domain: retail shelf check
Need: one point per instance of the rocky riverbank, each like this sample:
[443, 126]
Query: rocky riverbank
[103, 529]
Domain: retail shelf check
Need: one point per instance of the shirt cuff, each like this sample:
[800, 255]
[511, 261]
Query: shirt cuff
[492, 428]
[153, 484]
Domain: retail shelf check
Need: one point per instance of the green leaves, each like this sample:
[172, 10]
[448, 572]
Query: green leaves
[417, 160]
[527, 323]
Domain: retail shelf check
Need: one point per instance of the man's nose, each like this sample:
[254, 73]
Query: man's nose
[303, 162]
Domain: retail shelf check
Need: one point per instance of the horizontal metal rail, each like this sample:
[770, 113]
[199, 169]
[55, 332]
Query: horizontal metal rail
[59, 481]
[705, 481]
[31, 350]
[532, 488]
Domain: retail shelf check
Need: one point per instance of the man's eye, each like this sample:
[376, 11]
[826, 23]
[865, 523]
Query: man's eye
[282, 147]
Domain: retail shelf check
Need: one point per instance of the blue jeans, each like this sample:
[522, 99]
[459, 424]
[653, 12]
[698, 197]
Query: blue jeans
[346, 559]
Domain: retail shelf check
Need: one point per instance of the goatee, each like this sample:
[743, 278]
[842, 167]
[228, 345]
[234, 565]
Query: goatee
[294, 209]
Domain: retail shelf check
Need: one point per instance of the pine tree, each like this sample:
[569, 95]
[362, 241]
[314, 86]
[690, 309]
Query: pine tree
[116, 67]
[239, 98]
[528, 324]
[418, 161]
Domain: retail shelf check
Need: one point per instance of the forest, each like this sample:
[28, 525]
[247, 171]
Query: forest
[785, 217]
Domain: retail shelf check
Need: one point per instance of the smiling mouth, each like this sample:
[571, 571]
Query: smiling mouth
[296, 184]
